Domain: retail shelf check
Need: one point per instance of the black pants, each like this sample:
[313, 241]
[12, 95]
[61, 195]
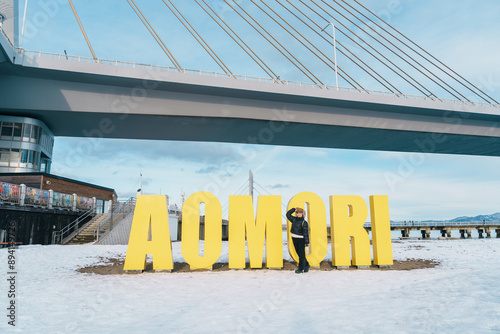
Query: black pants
[300, 248]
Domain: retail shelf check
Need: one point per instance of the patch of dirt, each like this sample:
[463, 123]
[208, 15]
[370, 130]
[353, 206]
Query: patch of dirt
[415, 247]
[115, 267]
[412, 264]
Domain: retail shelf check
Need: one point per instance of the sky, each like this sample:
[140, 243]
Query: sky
[462, 34]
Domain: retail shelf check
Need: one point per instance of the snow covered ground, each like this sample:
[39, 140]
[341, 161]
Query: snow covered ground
[461, 295]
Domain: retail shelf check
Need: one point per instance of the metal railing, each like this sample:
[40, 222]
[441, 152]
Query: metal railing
[13, 194]
[9, 193]
[246, 78]
[122, 210]
[74, 228]
[442, 224]
[36, 197]
[7, 38]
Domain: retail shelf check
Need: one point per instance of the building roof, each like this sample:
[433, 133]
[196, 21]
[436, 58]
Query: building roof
[60, 178]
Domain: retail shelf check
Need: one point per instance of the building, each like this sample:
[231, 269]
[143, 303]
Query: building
[25, 145]
[43, 182]
[46, 204]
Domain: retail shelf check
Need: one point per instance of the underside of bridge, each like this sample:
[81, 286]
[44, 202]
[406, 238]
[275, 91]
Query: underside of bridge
[94, 100]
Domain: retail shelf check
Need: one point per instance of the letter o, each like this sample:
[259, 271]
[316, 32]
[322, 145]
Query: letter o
[316, 218]
[191, 230]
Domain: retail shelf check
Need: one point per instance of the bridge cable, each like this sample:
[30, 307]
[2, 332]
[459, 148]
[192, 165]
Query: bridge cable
[203, 43]
[153, 33]
[407, 55]
[241, 189]
[294, 36]
[371, 46]
[340, 50]
[419, 47]
[81, 28]
[394, 52]
[340, 30]
[274, 45]
[252, 55]
[429, 93]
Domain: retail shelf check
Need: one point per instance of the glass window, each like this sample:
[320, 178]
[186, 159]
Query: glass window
[31, 159]
[37, 160]
[34, 133]
[39, 139]
[14, 158]
[23, 158]
[4, 156]
[7, 128]
[27, 132]
[18, 130]
[44, 166]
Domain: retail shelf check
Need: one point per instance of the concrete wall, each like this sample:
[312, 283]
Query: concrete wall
[35, 226]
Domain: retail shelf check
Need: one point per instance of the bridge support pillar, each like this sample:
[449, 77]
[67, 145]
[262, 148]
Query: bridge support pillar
[405, 233]
[469, 233]
[426, 234]
[443, 233]
[462, 234]
[448, 232]
[498, 232]
[480, 231]
[488, 232]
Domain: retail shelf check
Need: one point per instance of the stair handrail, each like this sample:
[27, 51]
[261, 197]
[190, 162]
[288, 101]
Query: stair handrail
[62, 234]
[128, 209]
[124, 207]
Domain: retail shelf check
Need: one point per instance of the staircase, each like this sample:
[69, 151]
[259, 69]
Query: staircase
[87, 234]
[101, 224]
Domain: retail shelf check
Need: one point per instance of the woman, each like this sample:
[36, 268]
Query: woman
[300, 237]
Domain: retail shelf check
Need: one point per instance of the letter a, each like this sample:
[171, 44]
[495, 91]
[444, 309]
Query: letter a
[150, 234]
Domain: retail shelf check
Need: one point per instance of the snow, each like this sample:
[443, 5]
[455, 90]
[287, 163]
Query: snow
[460, 295]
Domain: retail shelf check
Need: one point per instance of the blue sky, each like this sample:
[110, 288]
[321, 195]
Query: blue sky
[463, 34]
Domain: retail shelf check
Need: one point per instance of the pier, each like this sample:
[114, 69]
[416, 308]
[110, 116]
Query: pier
[484, 229]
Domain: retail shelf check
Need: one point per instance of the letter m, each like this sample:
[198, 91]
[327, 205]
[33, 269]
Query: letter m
[267, 227]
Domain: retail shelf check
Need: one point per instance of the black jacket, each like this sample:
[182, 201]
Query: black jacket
[299, 225]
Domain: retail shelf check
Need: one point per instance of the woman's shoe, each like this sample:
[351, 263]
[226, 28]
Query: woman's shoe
[306, 269]
[299, 271]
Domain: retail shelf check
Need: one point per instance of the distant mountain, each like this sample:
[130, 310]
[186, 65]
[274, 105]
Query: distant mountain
[480, 218]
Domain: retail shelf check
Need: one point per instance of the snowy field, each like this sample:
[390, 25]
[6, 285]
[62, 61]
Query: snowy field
[461, 295]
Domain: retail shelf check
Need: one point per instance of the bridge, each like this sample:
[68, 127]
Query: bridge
[92, 97]
[445, 228]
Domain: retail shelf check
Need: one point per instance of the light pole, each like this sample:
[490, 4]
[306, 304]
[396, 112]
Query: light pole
[334, 53]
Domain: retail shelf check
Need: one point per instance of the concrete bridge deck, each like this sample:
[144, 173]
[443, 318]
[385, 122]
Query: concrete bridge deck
[445, 228]
[100, 99]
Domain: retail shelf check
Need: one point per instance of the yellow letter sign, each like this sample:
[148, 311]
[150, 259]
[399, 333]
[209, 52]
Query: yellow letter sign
[381, 230]
[150, 234]
[191, 230]
[267, 226]
[348, 215]
[316, 218]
